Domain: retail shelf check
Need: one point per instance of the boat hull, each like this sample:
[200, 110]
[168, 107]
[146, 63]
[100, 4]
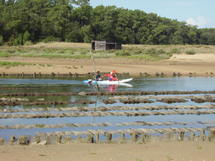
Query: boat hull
[107, 82]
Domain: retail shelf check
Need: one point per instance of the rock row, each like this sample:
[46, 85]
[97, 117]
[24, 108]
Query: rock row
[102, 114]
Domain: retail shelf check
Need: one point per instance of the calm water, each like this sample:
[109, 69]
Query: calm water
[139, 84]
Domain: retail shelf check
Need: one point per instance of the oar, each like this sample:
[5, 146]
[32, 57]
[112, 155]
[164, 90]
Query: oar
[94, 67]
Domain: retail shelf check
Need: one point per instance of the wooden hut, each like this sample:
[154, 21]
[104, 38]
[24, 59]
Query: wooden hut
[104, 45]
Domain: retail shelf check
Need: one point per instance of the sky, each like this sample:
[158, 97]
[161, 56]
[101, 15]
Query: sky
[200, 13]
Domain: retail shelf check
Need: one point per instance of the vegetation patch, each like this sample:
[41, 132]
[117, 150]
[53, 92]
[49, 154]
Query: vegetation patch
[84, 23]
[13, 64]
[82, 51]
[190, 52]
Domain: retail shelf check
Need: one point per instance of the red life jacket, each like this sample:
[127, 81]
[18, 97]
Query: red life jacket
[111, 77]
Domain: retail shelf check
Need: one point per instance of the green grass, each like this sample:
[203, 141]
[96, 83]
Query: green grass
[15, 64]
[82, 51]
[4, 54]
[190, 52]
[12, 64]
[152, 54]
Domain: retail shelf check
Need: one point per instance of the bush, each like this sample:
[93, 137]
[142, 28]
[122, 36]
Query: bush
[161, 51]
[190, 52]
[137, 51]
[1, 40]
[151, 51]
[175, 51]
[26, 36]
[123, 53]
[15, 40]
[50, 39]
[28, 43]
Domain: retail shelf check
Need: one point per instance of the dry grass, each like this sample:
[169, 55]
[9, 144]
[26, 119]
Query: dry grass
[68, 45]
[82, 50]
[210, 49]
[61, 45]
[51, 45]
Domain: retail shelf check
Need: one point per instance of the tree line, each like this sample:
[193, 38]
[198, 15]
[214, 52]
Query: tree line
[23, 21]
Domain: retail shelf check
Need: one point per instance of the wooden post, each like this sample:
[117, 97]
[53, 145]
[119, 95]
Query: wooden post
[2, 141]
[143, 138]
[53, 74]
[35, 75]
[67, 139]
[169, 136]
[79, 139]
[12, 140]
[36, 140]
[108, 137]
[203, 136]
[90, 138]
[122, 139]
[192, 136]
[211, 135]
[48, 140]
[181, 136]
[23, 140]
[97, 138]
[76, 75]
[59, 139]
[134, 136]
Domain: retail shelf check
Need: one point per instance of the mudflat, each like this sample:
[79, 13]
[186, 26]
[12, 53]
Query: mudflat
[154, 151]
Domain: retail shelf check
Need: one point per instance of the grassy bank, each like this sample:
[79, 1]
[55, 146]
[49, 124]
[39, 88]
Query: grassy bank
[15, 64]
[82, 50]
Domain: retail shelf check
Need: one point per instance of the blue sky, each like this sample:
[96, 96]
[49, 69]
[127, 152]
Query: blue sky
[194, 12]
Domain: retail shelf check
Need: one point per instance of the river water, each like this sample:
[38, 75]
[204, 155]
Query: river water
[138, 84]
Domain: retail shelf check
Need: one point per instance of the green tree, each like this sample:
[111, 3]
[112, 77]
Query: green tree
[76, 20]
[1, 40]
[26, 36]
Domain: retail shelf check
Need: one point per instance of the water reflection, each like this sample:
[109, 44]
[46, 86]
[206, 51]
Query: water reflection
[111, 88]
[138, 84]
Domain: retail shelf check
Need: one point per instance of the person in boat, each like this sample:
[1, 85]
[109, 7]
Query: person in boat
[112, 76]
[98, 76]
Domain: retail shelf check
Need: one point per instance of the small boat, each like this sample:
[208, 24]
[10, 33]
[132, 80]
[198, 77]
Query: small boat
[123, 82]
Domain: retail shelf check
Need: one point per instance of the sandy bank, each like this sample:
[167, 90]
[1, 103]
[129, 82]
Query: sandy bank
[162, 151]
[198, 64]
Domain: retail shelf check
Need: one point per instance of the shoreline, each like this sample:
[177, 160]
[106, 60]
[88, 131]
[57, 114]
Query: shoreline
[198, 65]
[162, 151]
[178, 65]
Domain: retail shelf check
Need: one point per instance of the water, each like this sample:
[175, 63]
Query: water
[139, 84]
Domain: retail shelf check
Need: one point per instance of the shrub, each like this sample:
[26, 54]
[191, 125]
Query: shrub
[28, 43]
[137, 51]
[1, 40]
[151, 51]
[175, 51]
[190, 52]
[50, 39]
[123, 53]
[161, 51]
[15, 40]
[26, 36]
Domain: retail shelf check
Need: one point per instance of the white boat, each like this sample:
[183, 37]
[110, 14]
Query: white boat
[122, 82]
